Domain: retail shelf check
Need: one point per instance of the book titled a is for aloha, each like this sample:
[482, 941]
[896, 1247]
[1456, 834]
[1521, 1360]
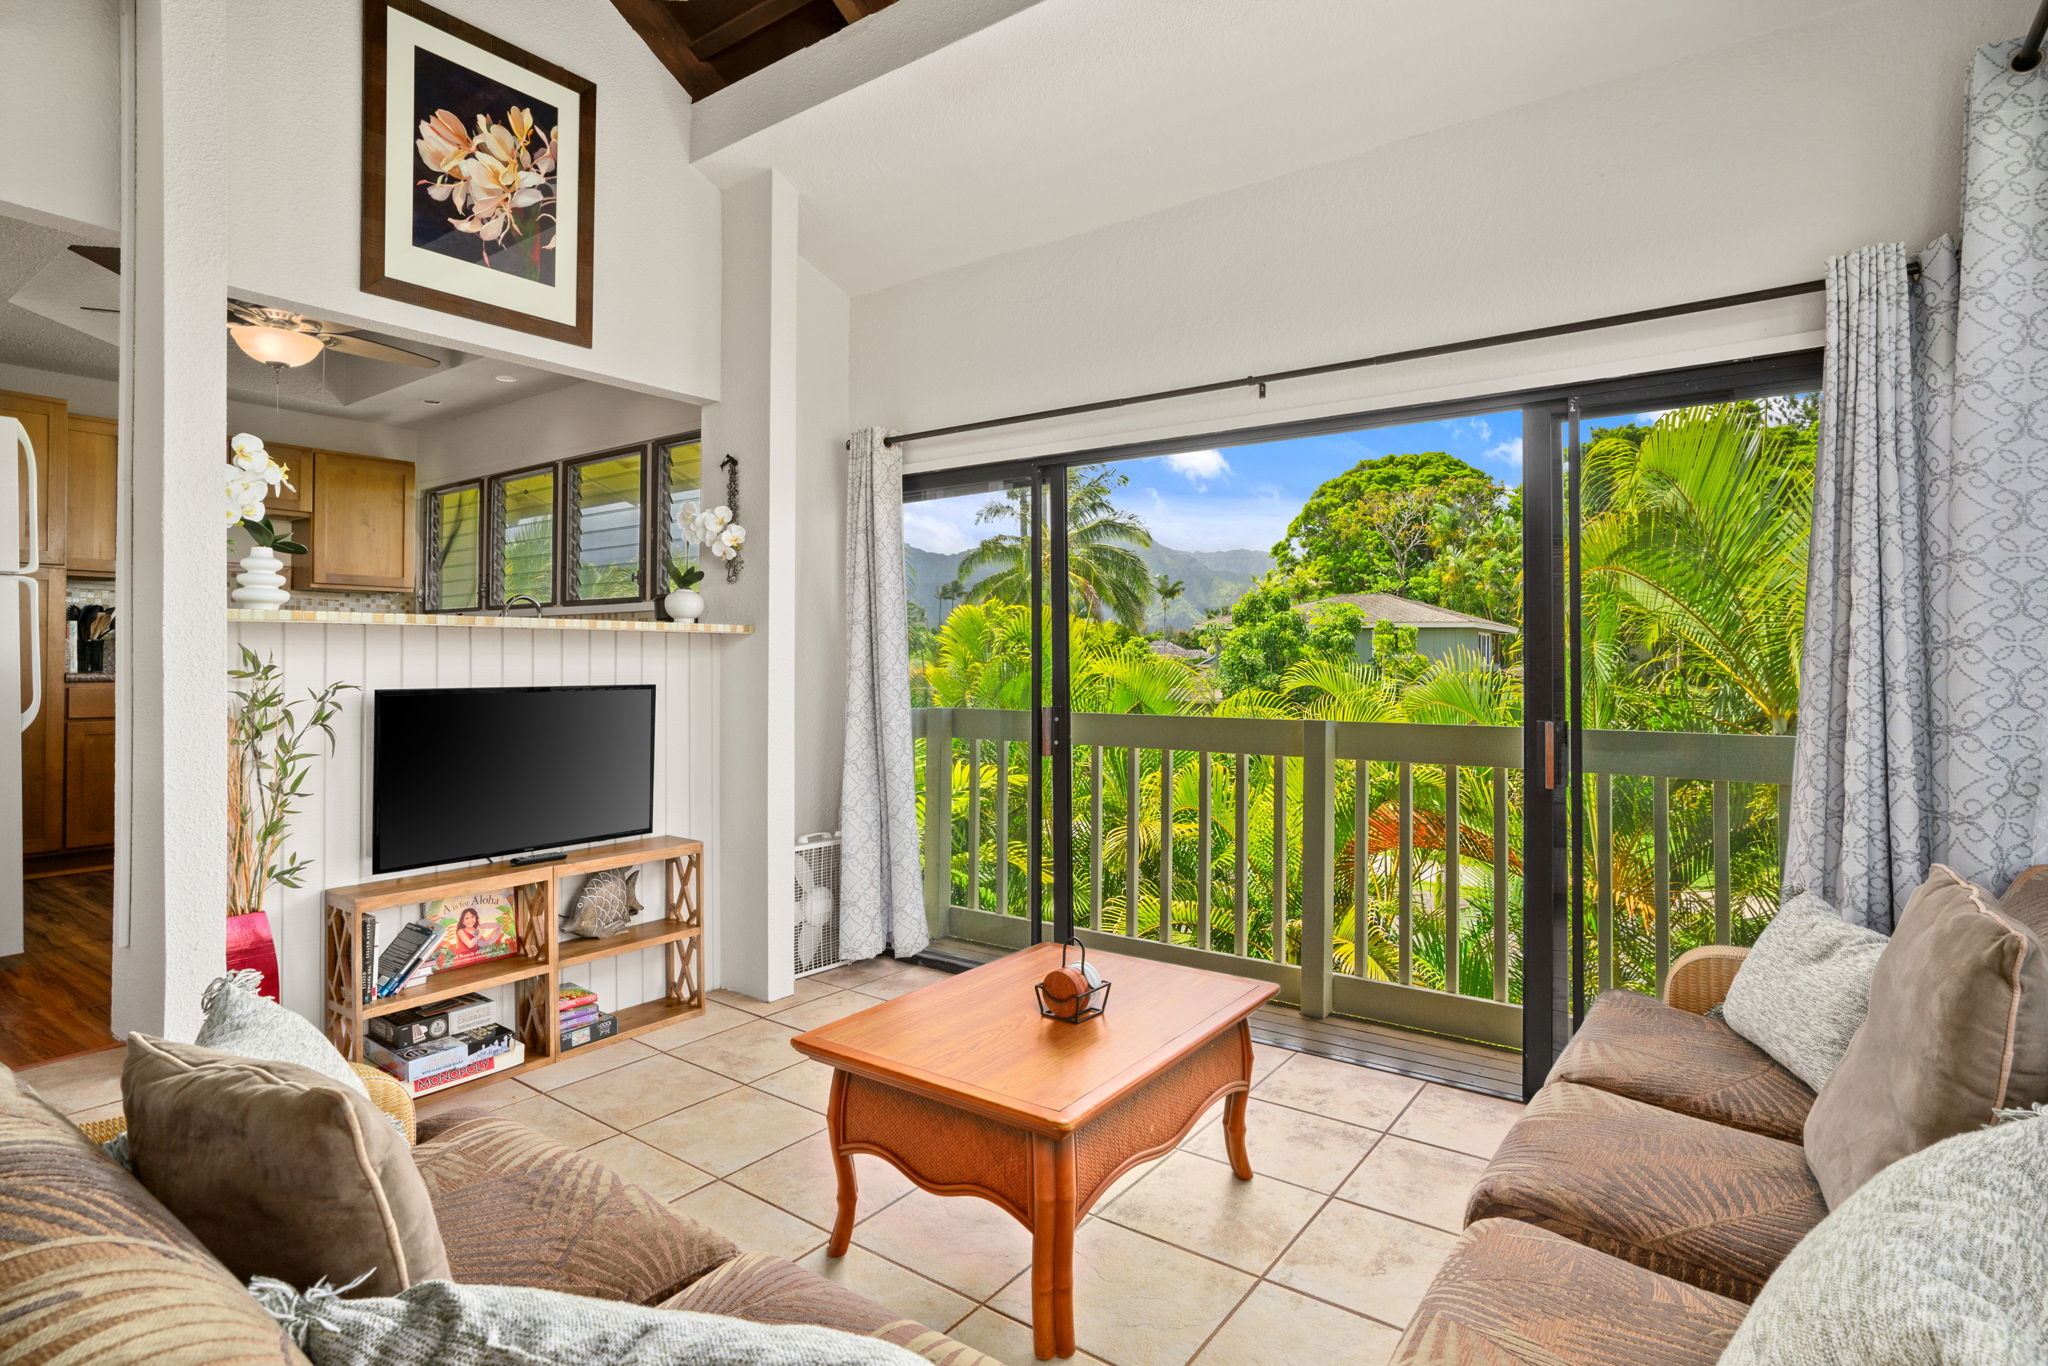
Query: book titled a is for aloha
[477, 928]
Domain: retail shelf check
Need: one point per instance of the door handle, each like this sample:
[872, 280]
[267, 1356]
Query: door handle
[34, 622]
[1550, 756]
[31, 504]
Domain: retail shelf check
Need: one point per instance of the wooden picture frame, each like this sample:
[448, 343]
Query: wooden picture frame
[503, 258]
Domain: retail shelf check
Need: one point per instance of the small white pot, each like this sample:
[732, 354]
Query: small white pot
[261, 580]
[684, 604]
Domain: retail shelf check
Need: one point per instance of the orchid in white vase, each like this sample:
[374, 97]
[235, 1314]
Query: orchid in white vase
[252, 477]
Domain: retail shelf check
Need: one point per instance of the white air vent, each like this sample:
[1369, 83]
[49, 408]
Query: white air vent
[817, 903]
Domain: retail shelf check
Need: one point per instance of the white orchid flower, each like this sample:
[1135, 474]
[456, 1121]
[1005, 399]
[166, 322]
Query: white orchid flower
[733, 536]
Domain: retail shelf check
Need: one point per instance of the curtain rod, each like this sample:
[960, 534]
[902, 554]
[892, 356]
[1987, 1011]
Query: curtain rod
[2029, 55]
[1419, 353]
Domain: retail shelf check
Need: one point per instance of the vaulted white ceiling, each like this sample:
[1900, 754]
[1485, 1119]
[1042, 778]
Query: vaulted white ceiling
[1063, 116]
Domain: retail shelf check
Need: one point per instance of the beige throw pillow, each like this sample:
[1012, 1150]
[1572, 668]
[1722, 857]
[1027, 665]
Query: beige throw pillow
[1957, 1030]
[279, 1170]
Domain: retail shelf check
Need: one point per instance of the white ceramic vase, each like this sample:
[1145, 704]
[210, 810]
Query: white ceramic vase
[684, 604]
[261, 580]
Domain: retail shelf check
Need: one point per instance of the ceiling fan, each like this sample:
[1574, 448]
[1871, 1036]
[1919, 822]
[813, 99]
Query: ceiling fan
[278, 336]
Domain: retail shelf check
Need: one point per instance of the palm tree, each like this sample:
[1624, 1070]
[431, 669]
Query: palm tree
[1698, 542]
[1106, 577]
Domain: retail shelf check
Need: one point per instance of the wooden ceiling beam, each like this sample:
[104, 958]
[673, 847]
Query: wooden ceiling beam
[743, 26]
[851, 10]
[658, 28]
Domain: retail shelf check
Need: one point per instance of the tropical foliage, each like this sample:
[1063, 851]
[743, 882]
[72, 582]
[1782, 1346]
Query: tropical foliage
[1693, 550]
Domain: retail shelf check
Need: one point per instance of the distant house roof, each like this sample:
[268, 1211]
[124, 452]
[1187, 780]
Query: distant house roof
[1400, 611]
[1173, 651]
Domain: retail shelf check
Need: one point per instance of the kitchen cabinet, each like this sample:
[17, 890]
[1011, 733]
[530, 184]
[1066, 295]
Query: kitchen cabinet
[361, 532]
[302, 469]
[42, 744]
[48, 421]
[89, 782]
[92, 497]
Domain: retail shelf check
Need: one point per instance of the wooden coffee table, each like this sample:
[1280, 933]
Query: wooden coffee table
[967, 1090]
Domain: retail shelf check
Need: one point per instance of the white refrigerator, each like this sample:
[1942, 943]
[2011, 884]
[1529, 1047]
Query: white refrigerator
[20, 604]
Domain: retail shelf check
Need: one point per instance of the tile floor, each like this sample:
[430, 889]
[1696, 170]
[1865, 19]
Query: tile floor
[1362, 1177]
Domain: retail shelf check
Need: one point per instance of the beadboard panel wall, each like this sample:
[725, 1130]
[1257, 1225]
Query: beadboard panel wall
[333, 824]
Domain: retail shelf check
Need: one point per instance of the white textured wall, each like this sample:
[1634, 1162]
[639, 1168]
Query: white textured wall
[295, 192]
[1730, 171]
[757, 422]
[821, 377]
[60, 102]
[171, 763]
[333, 825]
[580, 419]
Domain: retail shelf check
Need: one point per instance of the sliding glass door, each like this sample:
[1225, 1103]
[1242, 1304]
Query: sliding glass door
[1447, 718]
[1675, 528]
[975, 554]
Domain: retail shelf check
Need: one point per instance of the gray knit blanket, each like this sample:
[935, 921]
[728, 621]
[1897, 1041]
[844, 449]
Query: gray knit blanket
[439, 1323]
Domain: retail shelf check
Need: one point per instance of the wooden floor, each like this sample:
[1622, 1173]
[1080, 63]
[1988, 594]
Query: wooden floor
[1432, 1057]
[53, 998]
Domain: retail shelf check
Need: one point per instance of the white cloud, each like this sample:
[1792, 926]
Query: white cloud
[1199, 468]
[945, 525]
[1507, 453]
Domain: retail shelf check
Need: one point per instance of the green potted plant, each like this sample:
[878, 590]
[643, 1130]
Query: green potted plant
[684, 602]
[268, 755]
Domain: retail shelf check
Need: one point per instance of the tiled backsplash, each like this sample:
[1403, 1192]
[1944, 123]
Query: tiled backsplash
[342, 602]
[88, 592]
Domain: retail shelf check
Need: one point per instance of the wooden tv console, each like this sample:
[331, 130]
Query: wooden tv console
[536, 970]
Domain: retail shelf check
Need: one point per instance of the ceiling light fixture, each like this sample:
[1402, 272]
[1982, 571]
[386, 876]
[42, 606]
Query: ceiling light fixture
[276, 345]
[506, 379]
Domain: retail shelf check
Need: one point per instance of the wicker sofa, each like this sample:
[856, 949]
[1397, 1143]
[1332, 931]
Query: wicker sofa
[1636, 1209]
[93, 1268]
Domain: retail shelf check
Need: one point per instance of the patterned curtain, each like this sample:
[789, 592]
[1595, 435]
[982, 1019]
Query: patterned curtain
[881, 894]
[1924, 678]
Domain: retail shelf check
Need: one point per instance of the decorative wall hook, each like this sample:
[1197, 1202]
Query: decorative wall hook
[731, 466]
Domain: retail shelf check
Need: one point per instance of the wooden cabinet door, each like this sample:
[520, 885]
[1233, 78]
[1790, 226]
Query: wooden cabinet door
[361, 532]
[88, 784]
[92, 497]
[42, 744]
[301, 469]
[48, 421]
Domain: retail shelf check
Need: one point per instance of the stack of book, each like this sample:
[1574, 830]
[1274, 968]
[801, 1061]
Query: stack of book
[581, 1020]
[433, 1047]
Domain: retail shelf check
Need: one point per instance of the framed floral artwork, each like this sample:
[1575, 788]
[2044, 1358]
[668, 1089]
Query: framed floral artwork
[479, 174]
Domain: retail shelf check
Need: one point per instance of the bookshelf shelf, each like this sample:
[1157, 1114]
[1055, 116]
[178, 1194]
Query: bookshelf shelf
[650, 935]
[455, 981]
[535, 973]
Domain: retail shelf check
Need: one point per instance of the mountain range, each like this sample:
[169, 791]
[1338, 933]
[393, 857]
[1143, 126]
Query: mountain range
[1214, 580]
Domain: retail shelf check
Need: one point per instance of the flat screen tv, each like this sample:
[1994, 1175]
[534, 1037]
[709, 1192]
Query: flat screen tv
[469, 773]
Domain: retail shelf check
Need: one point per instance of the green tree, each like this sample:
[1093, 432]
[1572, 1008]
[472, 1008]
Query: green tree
[1476, 560]
[1695, 567]
[1105, 574]
[1369, 530]
[1267, 637]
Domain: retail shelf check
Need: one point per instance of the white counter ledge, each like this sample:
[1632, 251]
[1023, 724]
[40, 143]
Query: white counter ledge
[518, 623]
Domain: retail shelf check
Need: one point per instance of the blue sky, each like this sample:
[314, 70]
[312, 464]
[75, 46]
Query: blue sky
[1243, 497]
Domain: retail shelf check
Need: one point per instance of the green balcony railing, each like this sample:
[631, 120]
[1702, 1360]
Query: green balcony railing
[1371, 869]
